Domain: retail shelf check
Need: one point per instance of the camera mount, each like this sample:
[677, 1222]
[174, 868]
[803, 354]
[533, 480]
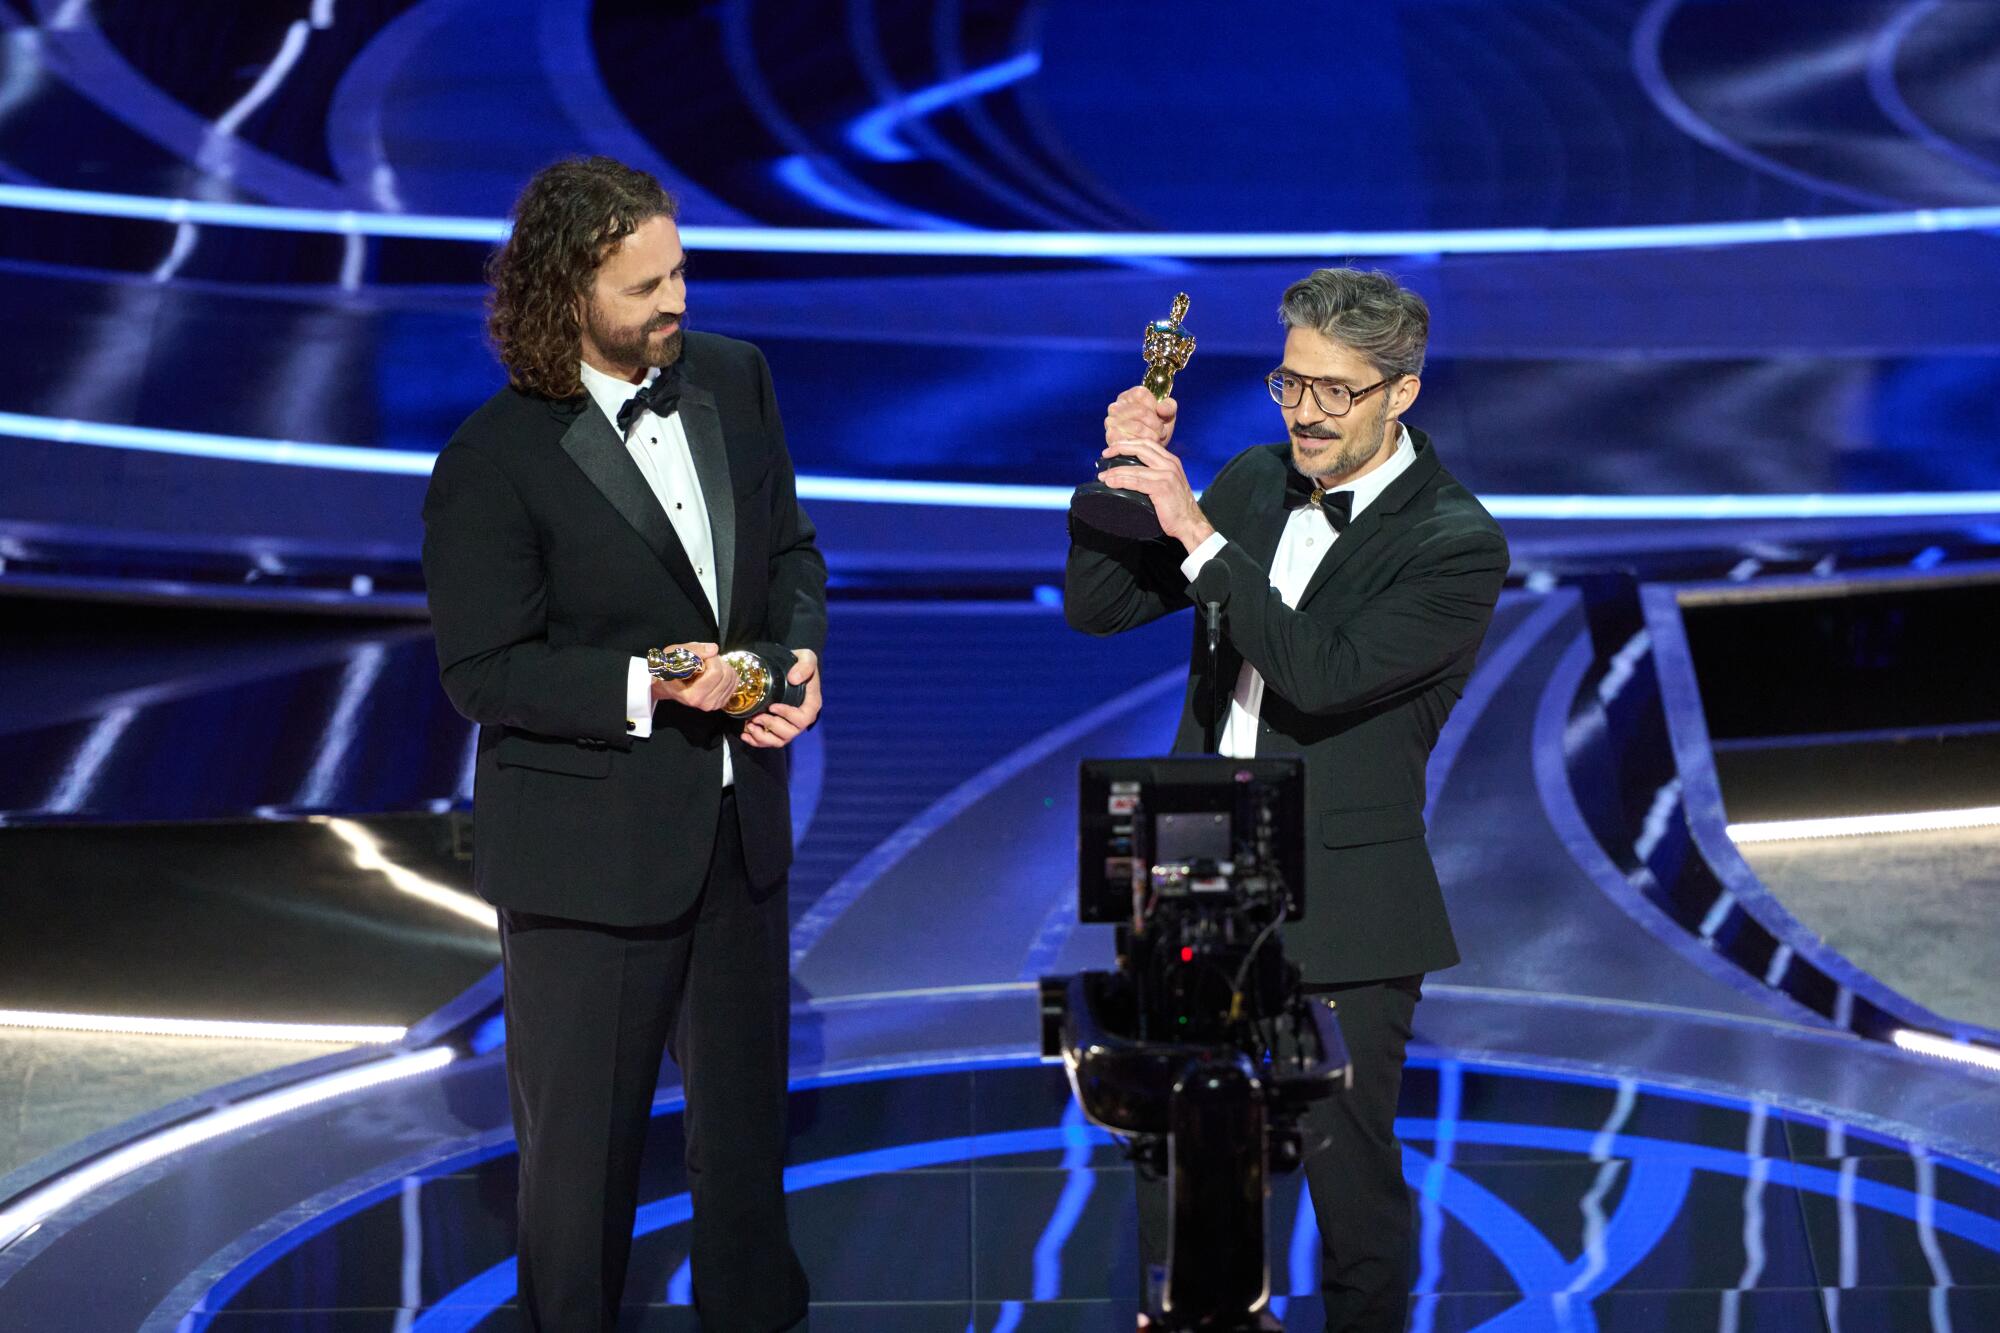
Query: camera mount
[1201, 1050]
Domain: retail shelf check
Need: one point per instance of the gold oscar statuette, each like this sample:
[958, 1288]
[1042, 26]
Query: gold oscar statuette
[758, 683]
[1167, 346]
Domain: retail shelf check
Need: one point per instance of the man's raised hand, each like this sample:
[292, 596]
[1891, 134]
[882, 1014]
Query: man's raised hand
[1137, 415]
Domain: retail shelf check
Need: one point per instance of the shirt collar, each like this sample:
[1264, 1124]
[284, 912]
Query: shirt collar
[608, 391]
[1369, 489]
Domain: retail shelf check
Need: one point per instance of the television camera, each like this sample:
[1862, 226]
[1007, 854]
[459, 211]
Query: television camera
[1201, 1050]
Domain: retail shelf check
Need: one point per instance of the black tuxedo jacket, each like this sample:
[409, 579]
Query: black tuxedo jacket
[550, 565]
[1358, 679]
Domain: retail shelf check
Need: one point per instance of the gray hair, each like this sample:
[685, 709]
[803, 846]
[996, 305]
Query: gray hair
[1367, 310]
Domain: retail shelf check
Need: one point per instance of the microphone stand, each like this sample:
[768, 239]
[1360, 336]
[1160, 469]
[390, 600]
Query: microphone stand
[1209, 587]
[1214, 677]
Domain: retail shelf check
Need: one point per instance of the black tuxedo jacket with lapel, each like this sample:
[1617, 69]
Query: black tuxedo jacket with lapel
[1359, 679]
[550, 565]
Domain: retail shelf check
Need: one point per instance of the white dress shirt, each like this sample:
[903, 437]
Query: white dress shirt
[1306, 540]
[660, 448]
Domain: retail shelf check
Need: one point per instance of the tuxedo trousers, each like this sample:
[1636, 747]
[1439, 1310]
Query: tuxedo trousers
[590, 1009]
[1363, 1206]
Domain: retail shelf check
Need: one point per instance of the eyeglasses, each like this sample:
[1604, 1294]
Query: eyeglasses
[1289, 390]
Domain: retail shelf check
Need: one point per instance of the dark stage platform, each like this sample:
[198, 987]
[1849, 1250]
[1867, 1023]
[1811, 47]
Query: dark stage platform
[1648, 1100]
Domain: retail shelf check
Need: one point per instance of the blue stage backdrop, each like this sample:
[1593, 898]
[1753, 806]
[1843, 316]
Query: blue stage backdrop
[1670, 248]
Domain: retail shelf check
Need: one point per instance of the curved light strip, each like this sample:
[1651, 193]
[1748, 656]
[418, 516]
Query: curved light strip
[30, 1210]
[365, 850]
[1653, 1201]
[218, 213]
[803, 176]
[984, 495]
[1037, 244]
[354, 1033]
[1442, 1128]
[1889, 504]
[874, 133]
[1847, 826]
[1944, 1048]
[237, 448]
[1888, 93]
[1649, 67]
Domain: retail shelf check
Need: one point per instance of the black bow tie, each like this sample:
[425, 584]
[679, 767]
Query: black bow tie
[662, 396]
[1301, 490]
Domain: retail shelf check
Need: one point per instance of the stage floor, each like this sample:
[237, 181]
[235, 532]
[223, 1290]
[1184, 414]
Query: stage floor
[976, 1198]
[1610, 1124]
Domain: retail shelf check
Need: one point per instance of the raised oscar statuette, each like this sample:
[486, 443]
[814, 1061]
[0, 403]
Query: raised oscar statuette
[1167, 347]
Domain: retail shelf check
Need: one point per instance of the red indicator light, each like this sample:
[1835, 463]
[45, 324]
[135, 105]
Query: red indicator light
[1187, 954]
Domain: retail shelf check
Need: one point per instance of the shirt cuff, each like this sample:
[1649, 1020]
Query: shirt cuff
[639, 699]
[1202, 554]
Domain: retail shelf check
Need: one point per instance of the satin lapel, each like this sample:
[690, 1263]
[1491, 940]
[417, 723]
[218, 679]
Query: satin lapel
[1257, 530]
[1418, 475]
[1264, 524]
[711, 464]
[592, 443]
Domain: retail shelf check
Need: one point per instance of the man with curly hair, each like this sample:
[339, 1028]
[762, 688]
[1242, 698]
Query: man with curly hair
[629, 489]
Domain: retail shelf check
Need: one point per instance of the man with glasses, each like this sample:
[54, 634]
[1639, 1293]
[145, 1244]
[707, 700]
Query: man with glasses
[1360, 578]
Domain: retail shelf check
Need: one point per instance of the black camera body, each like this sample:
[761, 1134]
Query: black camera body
[1197, 862]
[1201, 1049]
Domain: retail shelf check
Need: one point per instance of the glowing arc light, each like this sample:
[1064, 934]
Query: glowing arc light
[357, 1034]
[32, 1209]
[1000, 495]
[1848, 826]
[970, 243]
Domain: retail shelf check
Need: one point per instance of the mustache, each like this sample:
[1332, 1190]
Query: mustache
[667, 322]
[1314, 433]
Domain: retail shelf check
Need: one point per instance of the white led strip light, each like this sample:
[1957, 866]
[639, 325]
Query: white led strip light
[348, 1033]
[1944, 1048]
[1923, 821]
[366, 851]
[33, 1208]
[994, 495]
[1037, 244]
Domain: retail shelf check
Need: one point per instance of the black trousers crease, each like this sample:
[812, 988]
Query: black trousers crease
[589, 1009]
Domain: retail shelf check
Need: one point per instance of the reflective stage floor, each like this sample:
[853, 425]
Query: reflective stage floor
[1624, 1111]
[976, 1198]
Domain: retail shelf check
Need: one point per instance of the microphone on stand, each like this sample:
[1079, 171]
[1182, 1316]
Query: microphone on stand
[1211, 585]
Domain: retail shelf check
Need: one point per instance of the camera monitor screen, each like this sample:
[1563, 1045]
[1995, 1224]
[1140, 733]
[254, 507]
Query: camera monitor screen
[1225, 829]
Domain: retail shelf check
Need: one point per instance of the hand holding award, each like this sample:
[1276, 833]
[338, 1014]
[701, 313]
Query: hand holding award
[758, 683]
[1127, 513]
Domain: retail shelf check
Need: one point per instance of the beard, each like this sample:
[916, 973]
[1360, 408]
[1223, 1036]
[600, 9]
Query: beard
[638, 344]
[1320, 455]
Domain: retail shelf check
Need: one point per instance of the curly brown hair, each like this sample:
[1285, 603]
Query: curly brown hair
[570, 216]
